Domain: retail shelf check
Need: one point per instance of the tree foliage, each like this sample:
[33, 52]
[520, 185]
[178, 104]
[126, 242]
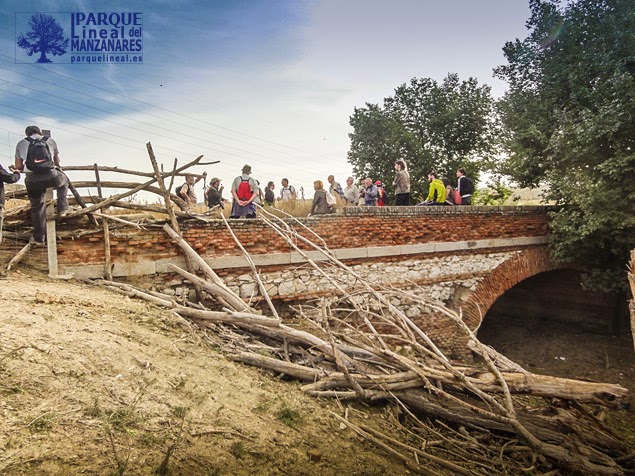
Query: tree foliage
[46, 36]
[569, 117]
[431, 126]
[496, 194]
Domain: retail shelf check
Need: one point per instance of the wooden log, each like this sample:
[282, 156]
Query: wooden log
[170, 209]
[117, 219]
[18, 257]
[148, 208]
[239, 318]
[225, 296]
[573, 454]
[110, 184]
[51, 238]
[102, 168]
[104, 224]
[252, 265]
[519, 383]
[120, 196]
[294, 370]
[235, 302]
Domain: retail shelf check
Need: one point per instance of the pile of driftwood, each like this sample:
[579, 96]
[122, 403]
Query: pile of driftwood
[362, 346]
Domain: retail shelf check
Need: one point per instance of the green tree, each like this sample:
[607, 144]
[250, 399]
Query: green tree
[496, 194]
[569, 117]
[431, 126]
[46, 36]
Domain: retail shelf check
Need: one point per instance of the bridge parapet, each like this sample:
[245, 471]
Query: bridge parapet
[354, 233]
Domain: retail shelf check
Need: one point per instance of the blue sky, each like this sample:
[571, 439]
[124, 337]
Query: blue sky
[269, 83]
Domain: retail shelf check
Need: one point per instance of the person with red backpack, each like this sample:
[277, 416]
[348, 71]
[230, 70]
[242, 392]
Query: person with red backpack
[244, 191]
[382, 196]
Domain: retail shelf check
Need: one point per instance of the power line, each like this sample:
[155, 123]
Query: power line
[124, 125]
[116, 104]
[158, 147]
[157, 107]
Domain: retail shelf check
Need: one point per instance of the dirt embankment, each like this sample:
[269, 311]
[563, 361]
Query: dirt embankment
[94, 383]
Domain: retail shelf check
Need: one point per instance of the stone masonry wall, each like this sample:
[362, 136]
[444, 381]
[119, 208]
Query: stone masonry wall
[440, 275]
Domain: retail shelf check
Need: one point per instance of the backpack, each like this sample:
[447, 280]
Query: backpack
[177, 191]
[244, 190]
[270, 197]
[456, 196]
[38, 156]
[330, 199]
[469, 186]
[291, 190]
[382, 197]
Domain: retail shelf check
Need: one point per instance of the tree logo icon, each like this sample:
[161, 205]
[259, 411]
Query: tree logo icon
[46, 36]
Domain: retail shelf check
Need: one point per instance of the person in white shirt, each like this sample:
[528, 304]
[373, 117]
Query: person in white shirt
[42, 172]
[287, 192]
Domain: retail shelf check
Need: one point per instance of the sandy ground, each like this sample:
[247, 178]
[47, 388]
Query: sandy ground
[95, 383]
[565, 350]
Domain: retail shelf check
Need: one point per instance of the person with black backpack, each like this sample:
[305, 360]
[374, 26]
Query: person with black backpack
[38, 156]
[465, 186]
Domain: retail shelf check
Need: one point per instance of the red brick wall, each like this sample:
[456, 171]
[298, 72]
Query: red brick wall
[351, 229]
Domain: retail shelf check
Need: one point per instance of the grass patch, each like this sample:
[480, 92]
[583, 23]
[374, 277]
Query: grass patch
[288, 415]
[237, 449]
[42, 423]
[94, 410]
[12, 389]
[179, 412]
[123, 419]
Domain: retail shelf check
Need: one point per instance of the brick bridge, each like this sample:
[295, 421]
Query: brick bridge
[466, 257]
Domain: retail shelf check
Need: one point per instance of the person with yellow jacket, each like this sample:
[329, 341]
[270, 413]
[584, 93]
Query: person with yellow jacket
[436, 194]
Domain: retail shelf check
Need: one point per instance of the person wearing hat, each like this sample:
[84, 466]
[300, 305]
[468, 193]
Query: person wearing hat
[244, 191]
[215, 194]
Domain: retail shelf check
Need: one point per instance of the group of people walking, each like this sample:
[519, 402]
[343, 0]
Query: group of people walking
[246, 192]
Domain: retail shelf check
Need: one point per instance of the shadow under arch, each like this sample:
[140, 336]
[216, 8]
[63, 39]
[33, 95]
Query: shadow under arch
[548, 323]
[525, 264]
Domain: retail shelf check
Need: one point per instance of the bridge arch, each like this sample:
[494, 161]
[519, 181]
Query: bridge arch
[524, 265]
